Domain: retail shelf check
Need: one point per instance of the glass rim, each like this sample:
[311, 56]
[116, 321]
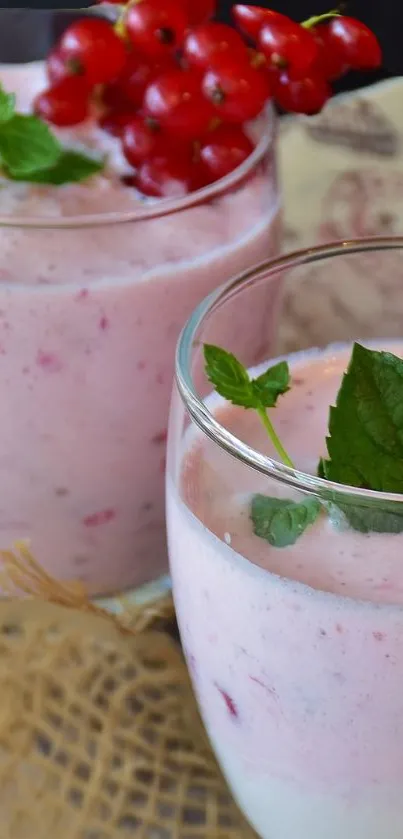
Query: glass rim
[157, 208]
[207, 422]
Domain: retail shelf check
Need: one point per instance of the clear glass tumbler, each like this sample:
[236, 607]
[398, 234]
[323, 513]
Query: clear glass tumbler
[295, 650]
[95, 286]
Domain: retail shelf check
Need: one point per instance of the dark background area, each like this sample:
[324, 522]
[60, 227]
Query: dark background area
[25, 33]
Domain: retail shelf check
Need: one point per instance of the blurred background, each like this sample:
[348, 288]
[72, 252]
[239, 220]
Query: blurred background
[385, 17]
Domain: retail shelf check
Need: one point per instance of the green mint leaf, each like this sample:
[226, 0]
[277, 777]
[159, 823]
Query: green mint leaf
[30, 152]
[26, 145]
[71, 167]
[229, 377]
[7, 105]
[370, 516]
[281, 522]
[322, 468]
[231, 380]
[376, 518]
[272, 384]
[365, 441]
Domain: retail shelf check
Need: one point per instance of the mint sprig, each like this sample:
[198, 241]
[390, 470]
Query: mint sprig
[232, 381]
[30, 152]
[364, 443]
[279, 521]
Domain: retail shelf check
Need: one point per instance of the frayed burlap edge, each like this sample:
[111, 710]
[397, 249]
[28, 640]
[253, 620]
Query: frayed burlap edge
[100, 737]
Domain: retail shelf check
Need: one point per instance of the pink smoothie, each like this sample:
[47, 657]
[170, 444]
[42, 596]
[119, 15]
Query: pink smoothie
[296, 653]
[89, 318]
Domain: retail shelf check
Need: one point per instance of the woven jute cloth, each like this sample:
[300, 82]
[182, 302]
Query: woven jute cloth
[100, 736]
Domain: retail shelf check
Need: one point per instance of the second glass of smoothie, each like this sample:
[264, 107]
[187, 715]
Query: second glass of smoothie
[295, 648]
[95, 285]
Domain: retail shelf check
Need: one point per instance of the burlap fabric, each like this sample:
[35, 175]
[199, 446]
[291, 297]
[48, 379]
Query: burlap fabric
[99, 732]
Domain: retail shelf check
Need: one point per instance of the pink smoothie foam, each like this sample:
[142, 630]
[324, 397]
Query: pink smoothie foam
[89, 318]
[296, 653]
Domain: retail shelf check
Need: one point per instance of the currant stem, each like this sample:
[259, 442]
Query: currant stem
[274, 438]
[317, 19]
[120, 23]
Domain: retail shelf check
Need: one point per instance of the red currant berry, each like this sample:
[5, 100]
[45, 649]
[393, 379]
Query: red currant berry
[58, 68]
[301, 96]
[225, 149]
[137, 75]
[204, 44]
[156, 27]
[114, 99]
[359, 46]
[288, 46]
[201, 177]
[176, 101]
[142, 140]
[65, 103]
[114, 122]
[170, 176]
[330, 63]
[238, 91]
[250, 19]
[199, 11]
[258, 60]
[93, 44]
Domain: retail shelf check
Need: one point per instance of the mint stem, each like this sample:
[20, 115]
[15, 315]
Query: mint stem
[274, 438]
[317, 19]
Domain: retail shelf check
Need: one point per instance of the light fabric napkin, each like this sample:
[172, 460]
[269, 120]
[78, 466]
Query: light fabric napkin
[342, 171]
[342, 178]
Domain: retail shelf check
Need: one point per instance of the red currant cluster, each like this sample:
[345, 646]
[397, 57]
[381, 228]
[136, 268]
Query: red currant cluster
[303, 59]
[177, 89]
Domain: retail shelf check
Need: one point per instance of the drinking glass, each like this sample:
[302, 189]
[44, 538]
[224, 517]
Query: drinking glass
[295, 652]
[95, 286]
